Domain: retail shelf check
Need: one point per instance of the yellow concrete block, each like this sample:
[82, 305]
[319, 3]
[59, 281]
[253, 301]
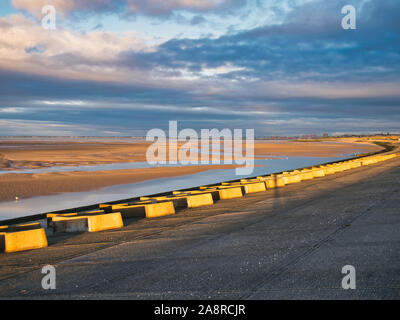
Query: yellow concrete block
[292, 178]
[307, 174]
[280, 182]
[368, 161]
[318, 172]
[339, 167]
[200, 200]
[270, 183]
[355, 164]
[374, 160]
[159, 209]
[88, 223]
[23, 240]
[254, 187]
[102, 222]
[274, 182]
[346, 166]
[230, 193]
[286, 179]
[280, 177]
[328, 170]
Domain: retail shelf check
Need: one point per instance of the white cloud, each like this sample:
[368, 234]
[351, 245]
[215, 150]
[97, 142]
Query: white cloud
[35, 127]
[154, 7]
[12, 110]
[25, 46]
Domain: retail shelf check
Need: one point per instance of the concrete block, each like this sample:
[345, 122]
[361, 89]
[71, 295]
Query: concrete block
[318, 172]
[230, 193]
[254, 187]
[307, 174]
[338, 167]
[23, 240]
[274, 182]
[291, 178]
[355, 164]
[199, 200]
[95, 223]
[105, 222]
[328, 170]
[159, 209]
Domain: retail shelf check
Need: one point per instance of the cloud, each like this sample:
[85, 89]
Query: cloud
[126, 7]
[27, 47]
[18, 127]
[305, 68]
[65, 7]
[196, 20]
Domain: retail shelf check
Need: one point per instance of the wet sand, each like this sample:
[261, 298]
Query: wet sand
[40, 154]
[313, 149]
[31, 185]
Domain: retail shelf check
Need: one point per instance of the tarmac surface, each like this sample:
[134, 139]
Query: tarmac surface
[287, 243]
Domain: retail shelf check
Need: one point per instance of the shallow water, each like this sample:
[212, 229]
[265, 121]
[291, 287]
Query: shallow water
[97, 167]
[36, 205]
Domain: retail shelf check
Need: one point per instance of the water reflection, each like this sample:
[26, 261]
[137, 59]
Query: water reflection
[36, 205]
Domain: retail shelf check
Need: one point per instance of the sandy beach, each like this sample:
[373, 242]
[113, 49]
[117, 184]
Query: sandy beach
[30, 185]
[42, 154]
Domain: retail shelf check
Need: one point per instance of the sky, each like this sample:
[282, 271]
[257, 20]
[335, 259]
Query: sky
[123, 67]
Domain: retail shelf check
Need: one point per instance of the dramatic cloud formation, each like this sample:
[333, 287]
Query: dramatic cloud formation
[301, 74]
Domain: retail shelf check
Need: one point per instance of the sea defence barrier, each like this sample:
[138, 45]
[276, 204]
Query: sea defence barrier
[109, 216]
[22, 237]
[87, 223]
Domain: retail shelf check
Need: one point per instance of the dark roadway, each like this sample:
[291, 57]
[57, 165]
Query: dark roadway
[288, 243]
